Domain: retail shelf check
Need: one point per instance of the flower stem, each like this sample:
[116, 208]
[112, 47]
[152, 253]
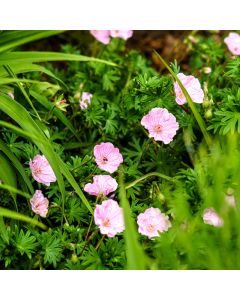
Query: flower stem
[99, 242]
[90, 225]
[131, 184]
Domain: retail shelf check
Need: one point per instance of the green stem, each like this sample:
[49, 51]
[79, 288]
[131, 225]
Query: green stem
[131, 184]
[90, 225]
[99, 242]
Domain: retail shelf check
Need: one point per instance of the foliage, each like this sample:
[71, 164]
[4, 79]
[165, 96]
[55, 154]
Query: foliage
[198, 169]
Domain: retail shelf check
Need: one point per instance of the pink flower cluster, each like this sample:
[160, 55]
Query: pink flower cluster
[104, 36]
[193, 87]
[108, 216]
[233, 43]
[42, 172]
[161, 124]
[85, 100]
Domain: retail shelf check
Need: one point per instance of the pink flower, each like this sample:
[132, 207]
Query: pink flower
[85, 100]
[152, 221]
[109, 218]
[102, 36]
[161, 124]
[102, 185]
[107, 157]
[230, 199]
[212, 218]
[41, 170]
[123, 34]
[233, 43]
[193, 87]
[39, 204]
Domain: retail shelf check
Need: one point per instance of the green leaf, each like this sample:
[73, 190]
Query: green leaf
[7, 175]
[11, 39]
[25, 243]
[29, 67]
[52, 250]
[16, 163]
[17, 216]
[11, 58]
[14, 190]
[136, 259]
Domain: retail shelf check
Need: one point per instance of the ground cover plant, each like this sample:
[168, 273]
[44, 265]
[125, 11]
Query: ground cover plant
[117, 158]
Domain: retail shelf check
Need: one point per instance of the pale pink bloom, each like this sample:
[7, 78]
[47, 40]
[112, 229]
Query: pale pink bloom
[107, 157]
[193, 87]
[212, 218]
[85, 100]
[207, 70]
[161, 124]
[109, 218]
[152, 221]
[123, 34]
[233, 43]
[10, 94]
[102, 36]
[230, 199]
[102, 185]
[41, 170]
[39, 204]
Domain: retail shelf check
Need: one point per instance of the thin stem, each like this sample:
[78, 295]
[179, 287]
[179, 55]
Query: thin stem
[91, 237]
[90, 225]
[99, 242]
[131, 184]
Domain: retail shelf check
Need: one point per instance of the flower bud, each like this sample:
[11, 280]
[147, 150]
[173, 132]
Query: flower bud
[208, 114]
[74, 259]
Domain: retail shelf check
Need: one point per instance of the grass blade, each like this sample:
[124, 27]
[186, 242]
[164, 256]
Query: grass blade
[136, 259]
[11, 39]
[16, 163]
[8, 176]
[38, 56]
[17, 216]
[28, 67]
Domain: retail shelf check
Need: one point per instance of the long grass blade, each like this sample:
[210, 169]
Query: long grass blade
[16, 163]
[136, 259]
[17, 216]
[12, 39]
[38, 56]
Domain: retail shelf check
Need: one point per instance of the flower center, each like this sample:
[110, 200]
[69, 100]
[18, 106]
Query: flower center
[157, 128]
[150, 227]
[37, 171]
[106, 223]
[104, 160]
